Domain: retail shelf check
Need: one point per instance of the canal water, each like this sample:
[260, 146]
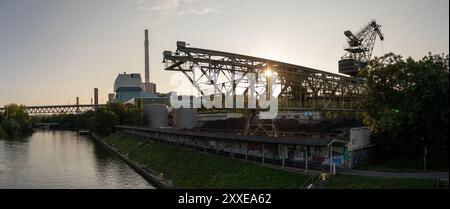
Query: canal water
[62, 159]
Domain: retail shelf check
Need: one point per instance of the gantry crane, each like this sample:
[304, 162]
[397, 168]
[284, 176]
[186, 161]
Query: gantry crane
[359, 48]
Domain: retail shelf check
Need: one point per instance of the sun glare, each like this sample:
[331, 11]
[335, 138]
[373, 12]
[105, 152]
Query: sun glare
[268, 72]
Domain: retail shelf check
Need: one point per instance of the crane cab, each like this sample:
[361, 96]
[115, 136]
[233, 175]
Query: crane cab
[350, 66]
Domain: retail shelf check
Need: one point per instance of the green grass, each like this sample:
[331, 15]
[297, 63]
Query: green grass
[363, 182]
[189, 169]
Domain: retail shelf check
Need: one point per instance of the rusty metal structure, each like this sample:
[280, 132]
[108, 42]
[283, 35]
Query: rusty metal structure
[301, 88]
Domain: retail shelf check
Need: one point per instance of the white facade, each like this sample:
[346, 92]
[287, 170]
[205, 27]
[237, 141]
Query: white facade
[132, 80]
[359, 138]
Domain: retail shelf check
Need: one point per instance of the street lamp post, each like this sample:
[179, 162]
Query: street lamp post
[331, 155]
[332, 165]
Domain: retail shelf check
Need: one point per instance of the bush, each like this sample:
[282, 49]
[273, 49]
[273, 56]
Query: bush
[128, 114]
[103, 122]
[12, 128]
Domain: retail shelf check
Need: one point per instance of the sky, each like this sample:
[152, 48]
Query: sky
[52, 51]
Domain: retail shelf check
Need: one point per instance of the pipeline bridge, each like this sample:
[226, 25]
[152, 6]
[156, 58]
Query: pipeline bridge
[59, 109]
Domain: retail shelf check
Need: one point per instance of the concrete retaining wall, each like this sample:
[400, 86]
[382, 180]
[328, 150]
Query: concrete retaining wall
[149, 176]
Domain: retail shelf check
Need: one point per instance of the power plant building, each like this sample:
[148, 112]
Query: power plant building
[128, 87]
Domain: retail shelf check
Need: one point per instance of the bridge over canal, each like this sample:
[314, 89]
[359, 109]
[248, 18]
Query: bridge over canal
[59, 109]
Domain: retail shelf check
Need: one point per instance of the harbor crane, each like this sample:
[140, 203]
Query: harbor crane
[359, 48]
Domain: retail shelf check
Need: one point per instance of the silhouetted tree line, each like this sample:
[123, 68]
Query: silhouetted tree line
[407, 106]
[15, 122]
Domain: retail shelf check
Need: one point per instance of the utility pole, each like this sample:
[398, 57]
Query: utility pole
[95, 98]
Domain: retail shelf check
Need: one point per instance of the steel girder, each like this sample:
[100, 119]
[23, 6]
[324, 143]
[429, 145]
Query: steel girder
[58, 109]
[216, 72]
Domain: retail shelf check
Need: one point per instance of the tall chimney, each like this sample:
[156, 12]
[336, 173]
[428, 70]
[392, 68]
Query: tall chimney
[96, 97]
[147, 68]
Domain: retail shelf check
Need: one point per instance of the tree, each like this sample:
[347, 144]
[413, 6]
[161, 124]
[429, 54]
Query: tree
[2, 117]
[16, 112]
[16, 121]
[128, 114]
[2, 132]
[11, 128]
[134, 114]
[120, 110]
[103, 121]
[407, 104]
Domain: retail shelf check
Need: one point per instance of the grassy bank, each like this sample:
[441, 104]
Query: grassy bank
[364, 182]
[190, 169]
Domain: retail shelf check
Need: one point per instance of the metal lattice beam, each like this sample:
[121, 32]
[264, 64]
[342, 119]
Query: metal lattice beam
[58, 109]
[216, 72]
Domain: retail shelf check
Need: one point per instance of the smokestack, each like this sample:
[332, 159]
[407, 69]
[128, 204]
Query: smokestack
[96, 97]
[78, 104]
[147, 68]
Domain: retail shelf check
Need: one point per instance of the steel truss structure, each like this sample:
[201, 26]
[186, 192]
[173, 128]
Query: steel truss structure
[360, 46]
[58, 109]
[301, 88]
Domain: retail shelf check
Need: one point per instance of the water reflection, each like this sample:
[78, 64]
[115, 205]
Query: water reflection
[60, 159]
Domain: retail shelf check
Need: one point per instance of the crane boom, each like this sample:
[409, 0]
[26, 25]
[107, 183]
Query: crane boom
[359, 48]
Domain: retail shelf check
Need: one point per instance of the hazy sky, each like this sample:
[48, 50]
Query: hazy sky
[52, 51]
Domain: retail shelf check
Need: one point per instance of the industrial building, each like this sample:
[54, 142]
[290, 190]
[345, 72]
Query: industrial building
[307, 96]
[128, 87]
